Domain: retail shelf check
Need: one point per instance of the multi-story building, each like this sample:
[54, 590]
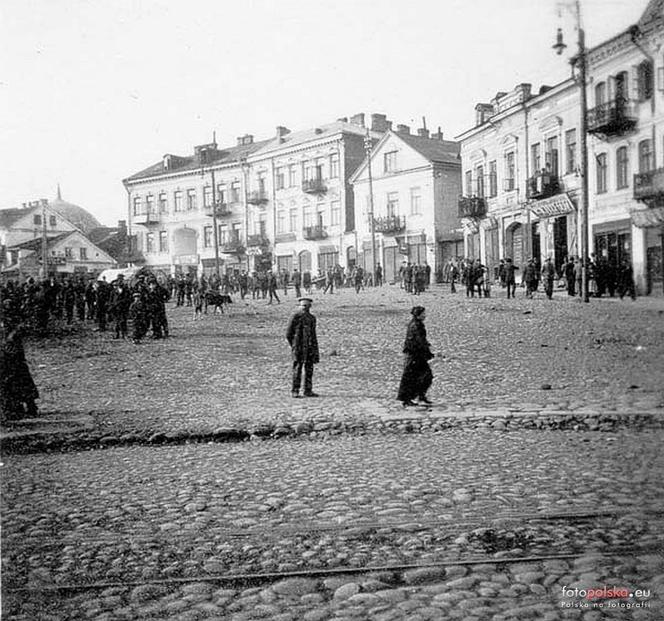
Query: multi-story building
[521, 162]
[412, 197]
[520, 176]
[284, 202]
[626, 147]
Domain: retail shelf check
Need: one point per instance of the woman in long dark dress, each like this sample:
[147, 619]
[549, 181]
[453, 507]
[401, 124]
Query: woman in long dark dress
[417, 376]
[17, 389]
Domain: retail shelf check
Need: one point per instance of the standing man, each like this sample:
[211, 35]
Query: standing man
[379, 275]
[510, 278]
[297, 282]
[549, 276]
[301, 336]
[272, 287]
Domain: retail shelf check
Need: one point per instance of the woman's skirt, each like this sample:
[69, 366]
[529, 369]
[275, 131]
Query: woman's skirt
[416, 379]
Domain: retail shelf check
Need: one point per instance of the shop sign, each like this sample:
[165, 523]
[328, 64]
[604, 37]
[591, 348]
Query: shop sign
[56, 261]
[644, 218]
[551, 207]
[185, 259]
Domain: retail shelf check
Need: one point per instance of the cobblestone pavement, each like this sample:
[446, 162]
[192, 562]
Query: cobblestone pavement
[196, 511]
[233, 370]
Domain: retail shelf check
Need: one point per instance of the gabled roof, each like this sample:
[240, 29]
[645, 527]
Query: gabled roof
[293, 139]
[226, 155]
[9, 216]
[36, 243]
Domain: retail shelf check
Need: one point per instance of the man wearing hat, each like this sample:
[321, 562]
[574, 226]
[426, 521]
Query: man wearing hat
[120, 302]
[510, 278]
[301, 336]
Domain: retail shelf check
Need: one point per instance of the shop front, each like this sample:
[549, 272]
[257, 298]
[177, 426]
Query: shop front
[651, 222]
[553, 235]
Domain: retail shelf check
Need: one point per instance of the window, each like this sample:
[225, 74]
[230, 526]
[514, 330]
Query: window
[83, 254]
[551, 156]
[281, 221]
[261, 183]
[235, 232]
[334, 166]
[390, 161]
[570, 151]
[392, 203]
[644, 80]
[600, 93]
[207, 236]
[335, 212]
[292, 220]
[137, 205]
[646, 159]
[622, 168]
[163, 203]
[307, 171]
[149, 203]
[479, 174]
[163, 241]
[415, 200]
[222, 234]
[469, 183]
[69, 253]
[536, 157]
[308, 217]
[292, 176]
[178, 200]
[319, 168]
[321, 220]
[493, 179]
[221, 194]
[191, 199]
[601, 172]
[207, 196]
[510, 182]
[235, 192]
[36, 219]
[621, 95]
[280, 178]
[52, 220]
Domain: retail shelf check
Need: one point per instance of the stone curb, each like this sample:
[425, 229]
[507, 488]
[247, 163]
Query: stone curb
[417, 420]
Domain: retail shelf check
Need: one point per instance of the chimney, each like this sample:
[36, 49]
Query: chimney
[358, 119]
[438, 135]
[282, 131]
[122, 227]
[244, 140]
[379, 123]
[482, 113]
[403, 129]
[167, 162]
[423, 132]
[25, 205]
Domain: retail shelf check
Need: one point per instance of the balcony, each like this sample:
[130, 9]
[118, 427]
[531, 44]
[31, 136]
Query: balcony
[146, 217]
[612, 118]
[542, 185]
[315, 232]
[649, 185]
[314, 186]
[233, 246]
[257, 197]
[389, 225]
[258, 241]
[223, 210]
[472, 207]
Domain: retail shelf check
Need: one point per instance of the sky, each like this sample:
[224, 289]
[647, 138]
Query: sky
[92, 91]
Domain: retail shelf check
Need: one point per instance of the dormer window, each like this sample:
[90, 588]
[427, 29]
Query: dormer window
[167, 162]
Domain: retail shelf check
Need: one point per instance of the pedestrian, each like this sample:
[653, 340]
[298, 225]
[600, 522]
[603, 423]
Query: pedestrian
[329, 281]
[379, 275]
[454, 276]
[510, 278]
[137, 314]
[549, 277]
[120, 303]
[626, 283]
[301, 336]
[530, 278]
[297, 283]
[306, 281]
[417, 376]
[570, 276]
[17, 388]
[272, 287]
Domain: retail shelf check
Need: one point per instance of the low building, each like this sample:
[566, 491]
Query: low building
[409, 185]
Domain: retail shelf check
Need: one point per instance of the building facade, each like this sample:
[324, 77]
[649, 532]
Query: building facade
[520, 177]
[409, 185]
[278, 204]
[626, 148]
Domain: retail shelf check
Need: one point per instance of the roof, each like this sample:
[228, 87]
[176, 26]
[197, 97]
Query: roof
[654, 10]
[36, 243]
[80, 217]
[9, 216]
[293, 139]
[440, 151]
[227, 155]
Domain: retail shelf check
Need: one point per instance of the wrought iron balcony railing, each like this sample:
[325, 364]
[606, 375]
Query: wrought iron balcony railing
[648, 185]
[390, 224]
[257, 240]
[612, 118]
[472, 207]
[314, 186]
[542, 185]
[223, 210]
[233, 246]
[315, 232]
[257, 197]
[146, 217]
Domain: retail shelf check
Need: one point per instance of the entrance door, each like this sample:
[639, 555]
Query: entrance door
[559, 242]
[536, 243]
[390, 264]
[515, 244]
[305, 261]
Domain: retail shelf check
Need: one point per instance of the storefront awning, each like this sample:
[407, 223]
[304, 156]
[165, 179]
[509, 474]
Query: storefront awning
[644, 218]
[552, 207]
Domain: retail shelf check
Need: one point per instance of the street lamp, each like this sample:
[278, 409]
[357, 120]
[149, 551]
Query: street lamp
[368, 147]
[580, 61]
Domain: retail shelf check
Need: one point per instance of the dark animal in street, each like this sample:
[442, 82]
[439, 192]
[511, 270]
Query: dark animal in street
[218, 300]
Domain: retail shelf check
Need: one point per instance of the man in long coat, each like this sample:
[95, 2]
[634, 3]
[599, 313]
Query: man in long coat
[301, 336]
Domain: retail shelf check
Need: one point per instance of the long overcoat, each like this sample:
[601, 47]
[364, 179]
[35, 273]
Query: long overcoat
[417, 376]
[301, 336]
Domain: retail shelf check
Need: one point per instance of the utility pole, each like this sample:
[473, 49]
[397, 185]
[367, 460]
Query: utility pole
[44, 253]
[214, 225]
[368, 148]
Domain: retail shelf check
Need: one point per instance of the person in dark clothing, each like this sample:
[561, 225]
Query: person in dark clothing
[103, 294]
[17, 388]
[79, 292]
[530, 277]
[626, 283]
[379, 275]
[570, 277]
[69, 300]
[454, 277]
[306, 281]
[297, 282]
[272, 285]
[510, 278]
[417, 376]
[301, 336]
[138, 317]
[549, 277]
[120, 303]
